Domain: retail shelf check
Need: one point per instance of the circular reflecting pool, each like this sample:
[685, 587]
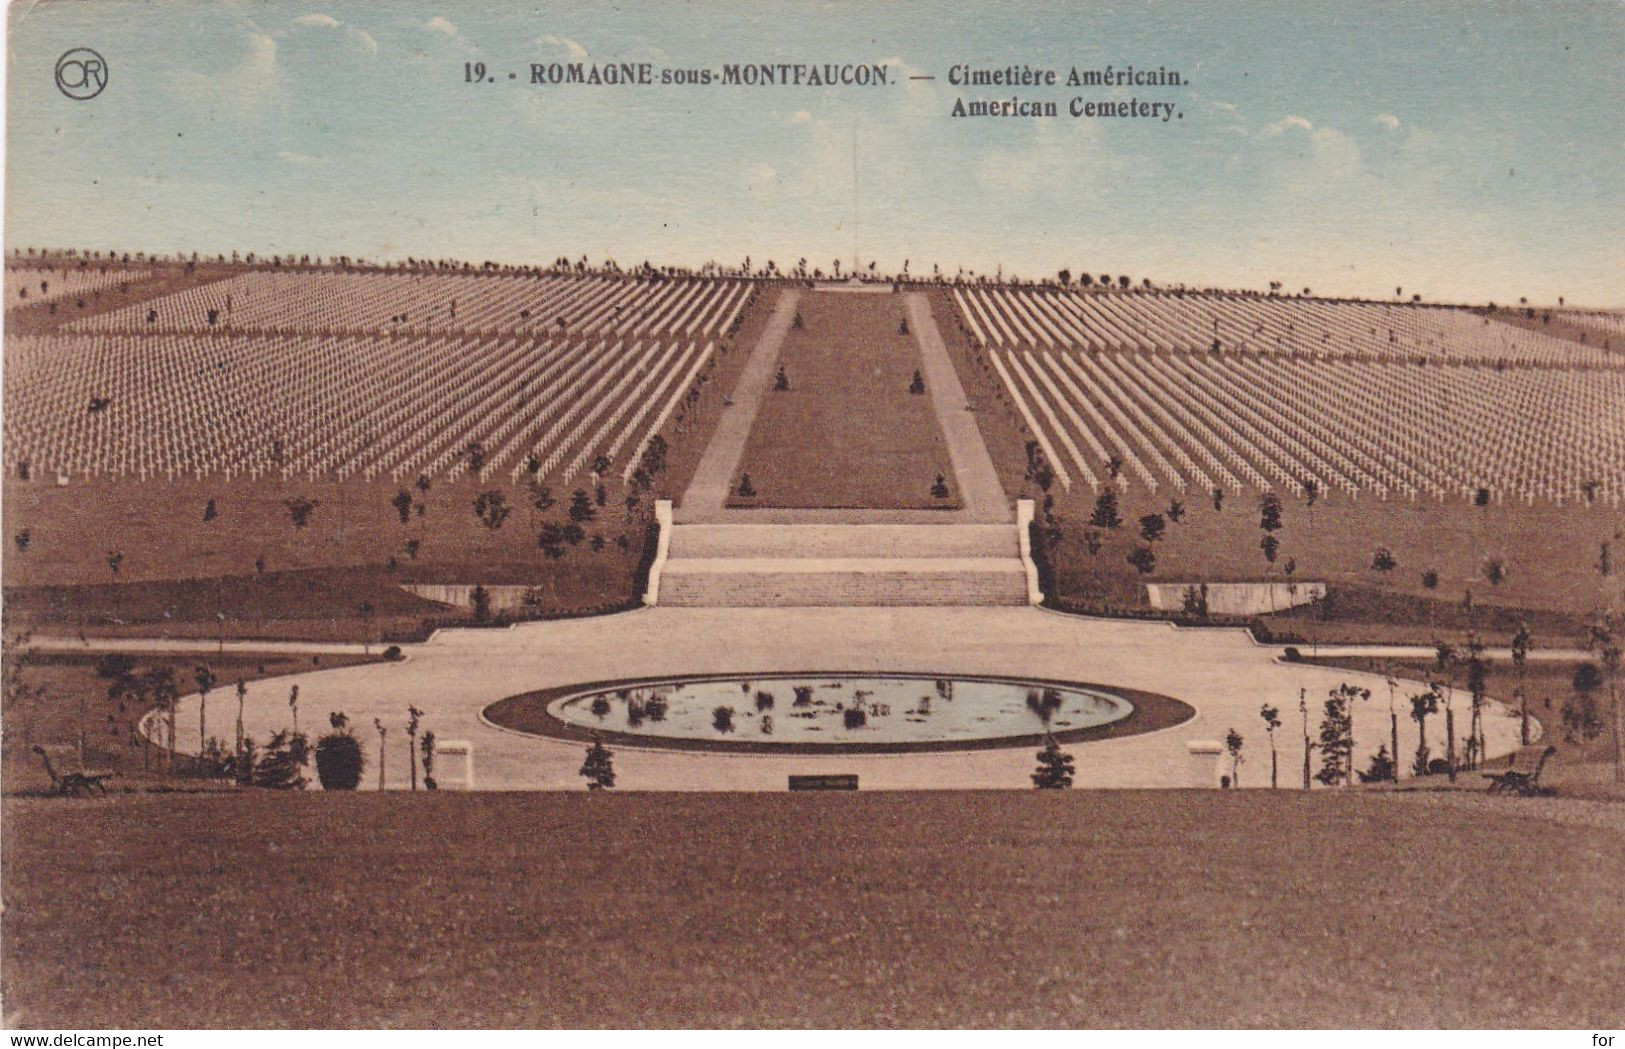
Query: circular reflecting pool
[840, 709]
[835, 712]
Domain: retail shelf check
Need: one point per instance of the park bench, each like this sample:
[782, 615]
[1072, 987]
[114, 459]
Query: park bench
[72, 781]
[1526, 784]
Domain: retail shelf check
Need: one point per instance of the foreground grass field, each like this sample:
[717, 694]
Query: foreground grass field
[1087, 909]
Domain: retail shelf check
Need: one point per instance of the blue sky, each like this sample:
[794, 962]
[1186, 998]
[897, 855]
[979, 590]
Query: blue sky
[1466, 151]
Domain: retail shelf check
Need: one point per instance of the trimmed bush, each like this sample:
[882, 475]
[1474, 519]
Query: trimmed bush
[339, 761]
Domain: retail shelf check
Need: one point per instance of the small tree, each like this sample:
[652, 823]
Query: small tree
[1152, 527]
[1143, 559]
[1381, 769]
[383, 753]
[1520, 656]
[1423, 705]
[1582, 720]
[599, 766]
[1448, 662]
[1055, 767]
[1272, 721]
[1604, 641]
[1105, 514]
[1269, 512]
[581, 508]
[1478, 689]
[426, 746]
[300, 510]
[339, 758]
[1383, 560]
[413, 718]
[205, 679]
[492, 509]
[1233, 743]
[1337, 735]
[282, 764]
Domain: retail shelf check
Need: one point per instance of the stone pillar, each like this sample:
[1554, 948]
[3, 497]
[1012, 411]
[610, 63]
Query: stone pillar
[1206, 765]
[455, 748]
[663, 516]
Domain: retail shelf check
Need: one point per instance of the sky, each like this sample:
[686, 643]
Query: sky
[1467, 152]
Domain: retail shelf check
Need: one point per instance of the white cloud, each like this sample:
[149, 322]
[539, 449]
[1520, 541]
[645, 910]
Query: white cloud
[1055, 159]
[1286, 123]
[360, 39]
[800, 116]
[439, 24]
[576, 52]
[920, 96]
[252, 85]
[1387, 120]
[301, 159]
[1334, 152]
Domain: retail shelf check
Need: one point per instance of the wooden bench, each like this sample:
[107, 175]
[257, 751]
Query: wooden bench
[72, 781]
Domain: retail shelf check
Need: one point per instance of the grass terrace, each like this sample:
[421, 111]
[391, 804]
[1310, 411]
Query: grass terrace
[847, 432]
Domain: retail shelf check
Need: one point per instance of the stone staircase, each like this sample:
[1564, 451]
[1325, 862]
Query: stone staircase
[843, 565]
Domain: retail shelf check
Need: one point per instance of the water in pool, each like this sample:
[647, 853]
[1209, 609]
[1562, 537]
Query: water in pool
[841, 709]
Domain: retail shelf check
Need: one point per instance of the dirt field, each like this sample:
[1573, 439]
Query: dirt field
[847, 433]
[890, 910]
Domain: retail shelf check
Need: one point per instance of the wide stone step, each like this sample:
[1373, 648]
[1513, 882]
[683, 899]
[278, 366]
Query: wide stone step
[843, 541]
[843, 582]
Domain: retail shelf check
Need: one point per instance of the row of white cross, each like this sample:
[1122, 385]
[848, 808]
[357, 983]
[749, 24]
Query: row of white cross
[1194, 419]
[1008, 317]
[330, 406]
[270, 301]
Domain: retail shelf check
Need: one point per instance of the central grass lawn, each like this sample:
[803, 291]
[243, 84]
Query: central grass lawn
[938, 909]
[847, 433]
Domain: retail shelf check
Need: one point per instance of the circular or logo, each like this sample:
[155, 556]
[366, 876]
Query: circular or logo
[81, 74]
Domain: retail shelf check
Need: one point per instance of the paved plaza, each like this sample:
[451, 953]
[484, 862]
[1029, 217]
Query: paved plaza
[1222, 673]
